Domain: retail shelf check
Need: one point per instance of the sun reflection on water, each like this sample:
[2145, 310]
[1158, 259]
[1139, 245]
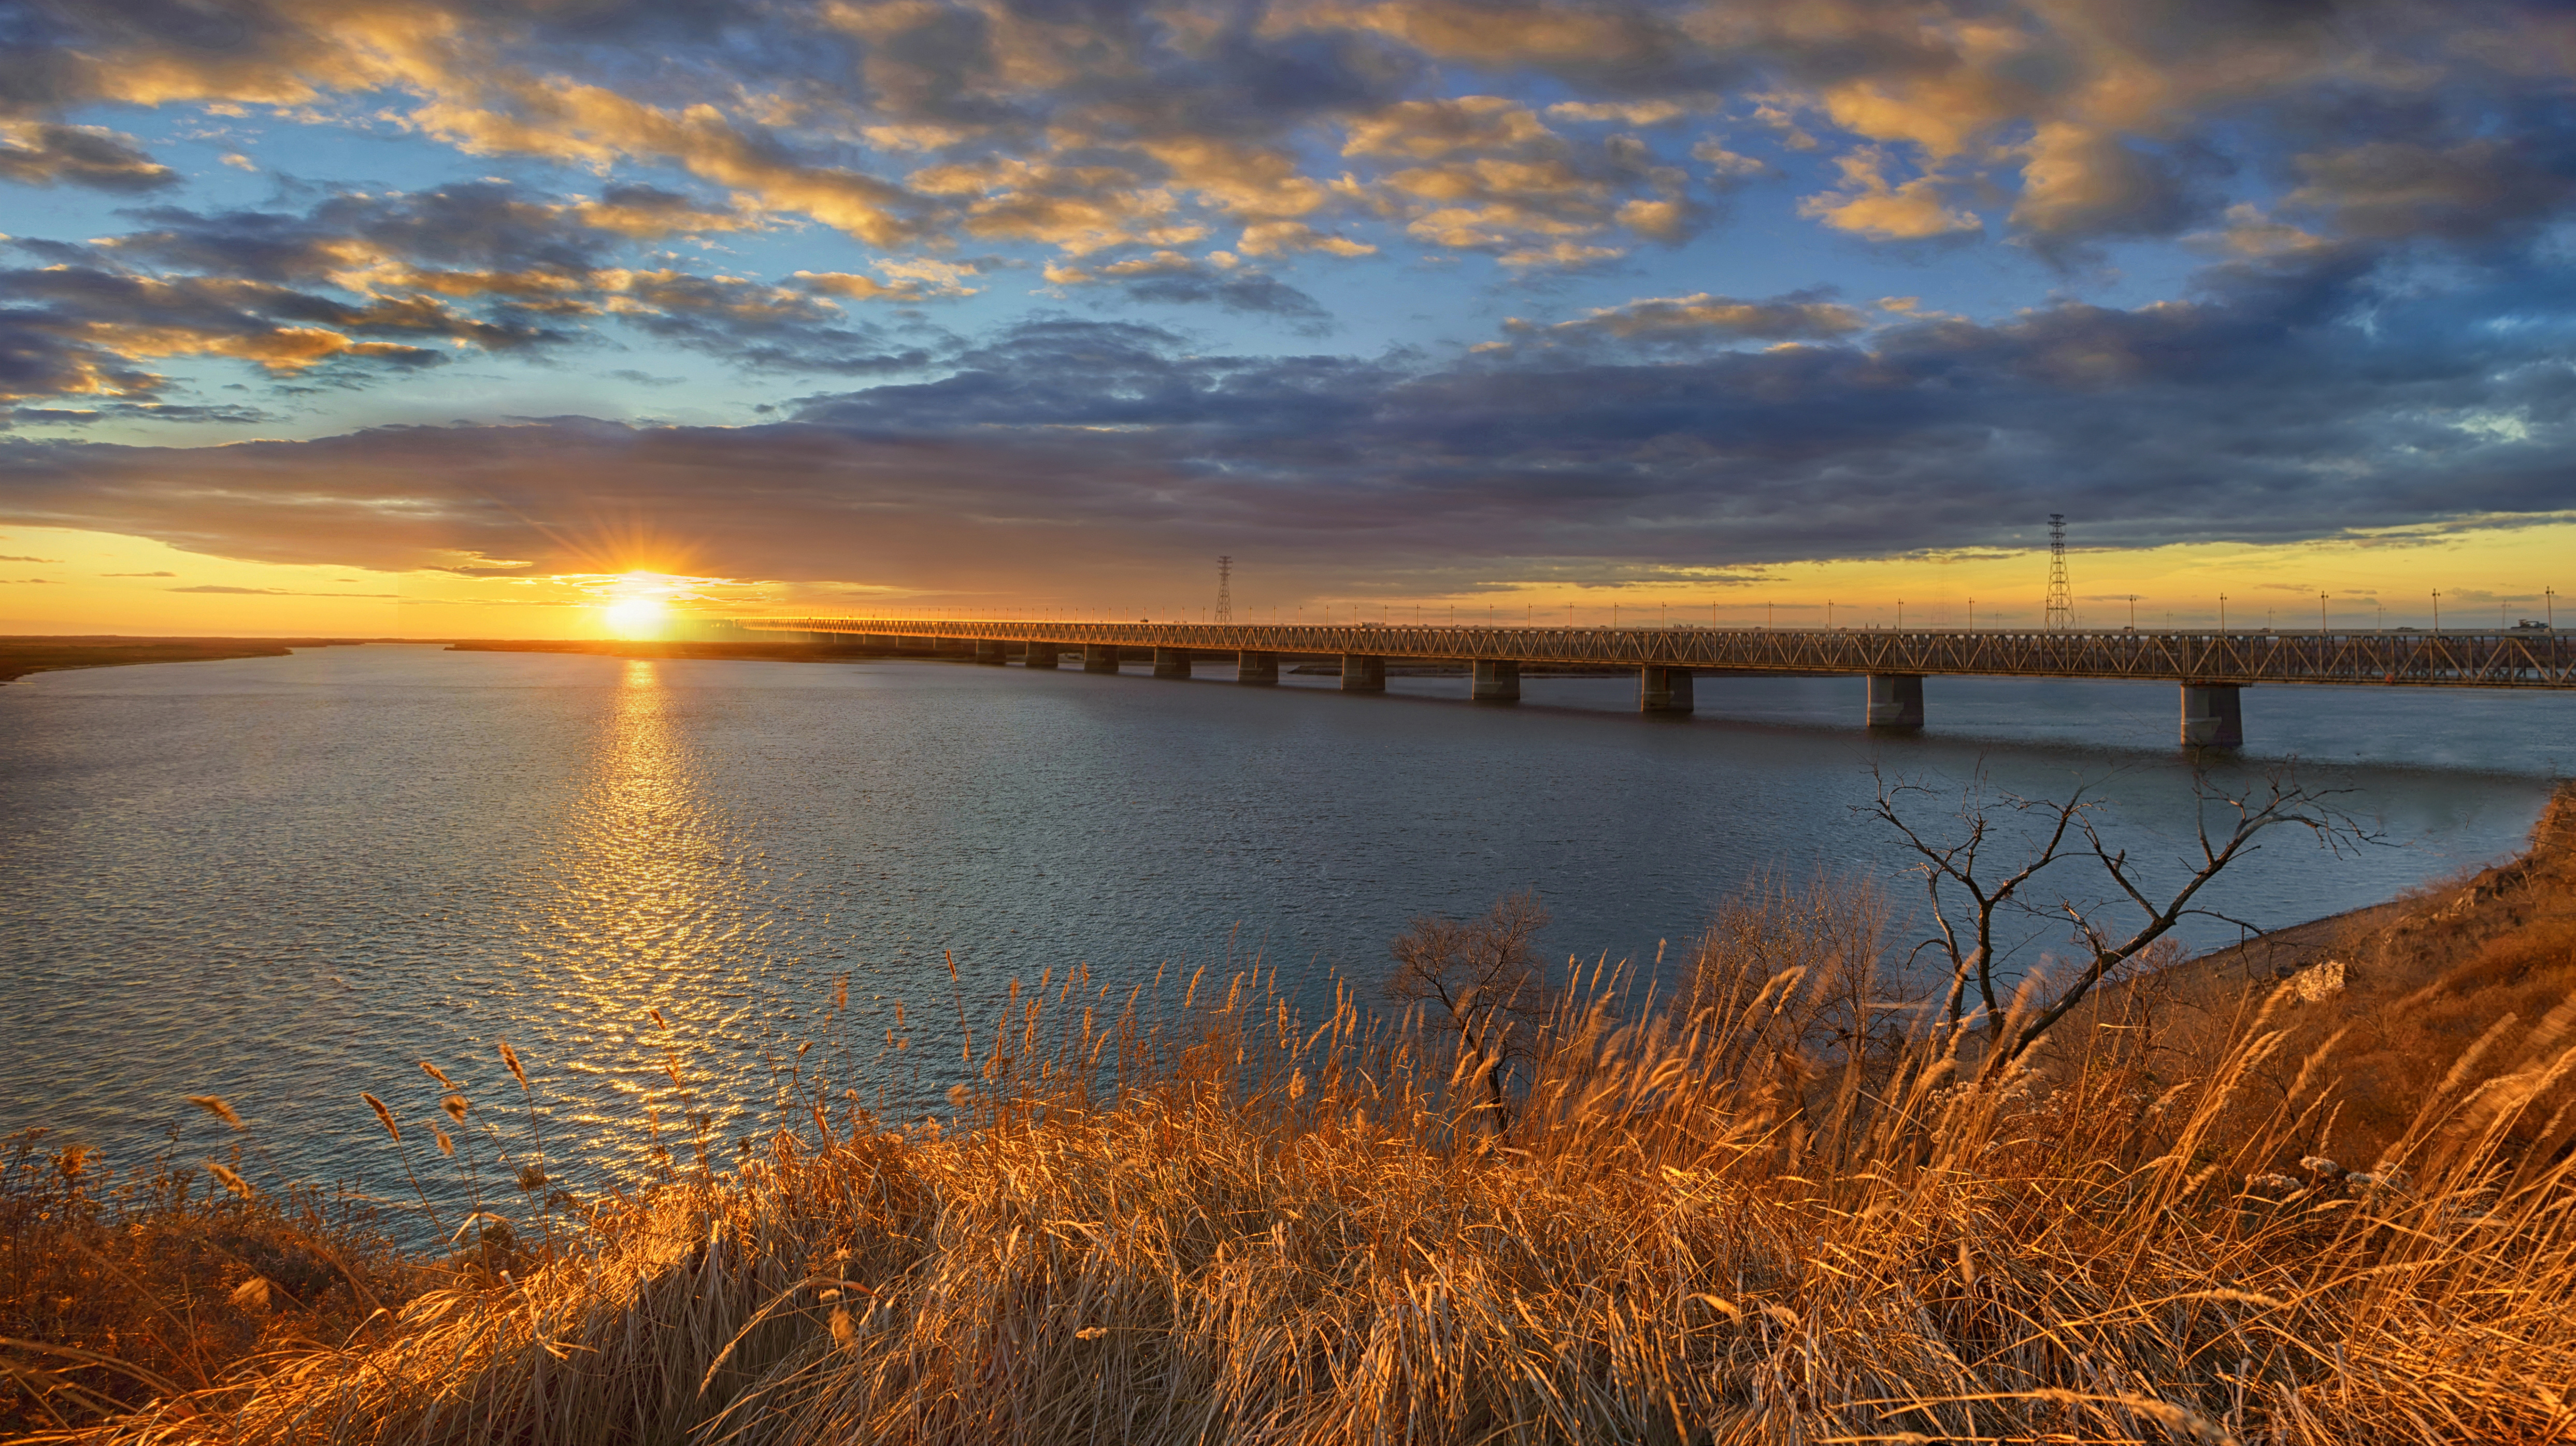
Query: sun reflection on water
[655, 942]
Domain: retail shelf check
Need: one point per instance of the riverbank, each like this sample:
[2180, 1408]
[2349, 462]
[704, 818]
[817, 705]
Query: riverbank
[21, 656]
[2389, 1001]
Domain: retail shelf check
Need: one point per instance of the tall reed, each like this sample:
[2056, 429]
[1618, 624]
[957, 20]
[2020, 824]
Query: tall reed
[1691, 1223]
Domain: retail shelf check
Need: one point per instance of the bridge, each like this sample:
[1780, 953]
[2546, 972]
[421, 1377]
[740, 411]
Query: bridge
[2210, 666]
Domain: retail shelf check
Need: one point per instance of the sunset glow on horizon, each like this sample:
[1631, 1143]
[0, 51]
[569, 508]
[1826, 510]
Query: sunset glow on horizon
[103, 583]
[637, 617]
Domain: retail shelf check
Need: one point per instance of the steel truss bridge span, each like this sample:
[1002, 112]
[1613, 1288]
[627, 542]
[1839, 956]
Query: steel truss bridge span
[2505, 658]
[2211, 666]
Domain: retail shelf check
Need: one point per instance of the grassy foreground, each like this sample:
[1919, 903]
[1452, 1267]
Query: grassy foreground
[1756, 1212]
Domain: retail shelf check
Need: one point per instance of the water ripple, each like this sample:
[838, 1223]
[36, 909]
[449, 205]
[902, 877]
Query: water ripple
[289, 880]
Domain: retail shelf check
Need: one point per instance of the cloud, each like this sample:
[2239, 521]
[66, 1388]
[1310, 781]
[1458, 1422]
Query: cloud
[138, 574]
[1560, 255]
[2266, 407]
[1424, 130]
[649, 213]
[1279, 238]
[357, 283]
[2469, 191]
[1703, 319]
[2080, 185]
[40, 154]
[470, 239]
[85, 331]
[1221, 280]
[911, 124]
[268, 591]
[753, 325]
[1867, 205]
[1483, 173]
[917, 279]
[123, 410]
[1077, 209]
[1625, 46]
[2380, 195]
[1629, 113]
[1725, 166]
[2248, 233]
[31, 559]
[563, 120]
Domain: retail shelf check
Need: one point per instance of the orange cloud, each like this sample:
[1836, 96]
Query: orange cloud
[592, 125]
[1868, 206]
[1076, 209]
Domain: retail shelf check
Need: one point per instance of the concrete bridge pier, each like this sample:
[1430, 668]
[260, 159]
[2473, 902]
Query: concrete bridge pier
[1494, 680]
[1664, 690]
[1040, 655]
[1171, 662]
[1362, 673]
[2213, 716]
[1260, 670]
[1896, 700]
[1100, 657]
[992, 652]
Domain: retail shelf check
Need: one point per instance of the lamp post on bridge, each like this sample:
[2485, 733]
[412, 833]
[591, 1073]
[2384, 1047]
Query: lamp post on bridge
[2437, 609]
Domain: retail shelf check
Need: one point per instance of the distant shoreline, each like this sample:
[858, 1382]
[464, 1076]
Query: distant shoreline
[22, 656]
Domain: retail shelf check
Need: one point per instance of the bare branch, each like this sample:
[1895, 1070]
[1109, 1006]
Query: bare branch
[2241, 818]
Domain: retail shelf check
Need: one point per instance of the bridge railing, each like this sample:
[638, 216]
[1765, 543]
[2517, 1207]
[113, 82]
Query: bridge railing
[2498, 658]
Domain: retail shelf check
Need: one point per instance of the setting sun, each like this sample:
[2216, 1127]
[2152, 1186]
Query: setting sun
[637, 617]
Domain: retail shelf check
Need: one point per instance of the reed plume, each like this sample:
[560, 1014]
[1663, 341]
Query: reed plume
[214, 1105]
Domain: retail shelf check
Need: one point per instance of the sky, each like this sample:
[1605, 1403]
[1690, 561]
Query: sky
[477, 317]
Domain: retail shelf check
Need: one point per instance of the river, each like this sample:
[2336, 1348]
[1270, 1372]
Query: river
[285, 881]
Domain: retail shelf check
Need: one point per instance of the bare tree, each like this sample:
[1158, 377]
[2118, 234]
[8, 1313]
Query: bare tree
[1969, 891]
[1479, 980]
[1830, 933]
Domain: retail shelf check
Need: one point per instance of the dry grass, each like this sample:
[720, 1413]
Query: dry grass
[115, 1291]
[2427, 979]
[1761, 1208]
[1691, 1225]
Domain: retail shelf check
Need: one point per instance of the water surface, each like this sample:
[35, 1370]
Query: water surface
[288, 880]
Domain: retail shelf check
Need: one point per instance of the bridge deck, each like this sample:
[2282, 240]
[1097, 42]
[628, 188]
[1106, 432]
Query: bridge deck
[2503, 658]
